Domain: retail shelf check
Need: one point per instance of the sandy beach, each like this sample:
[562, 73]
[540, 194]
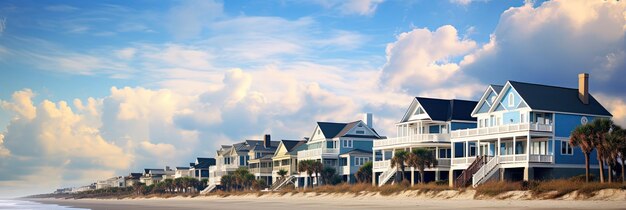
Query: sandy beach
[305, 202]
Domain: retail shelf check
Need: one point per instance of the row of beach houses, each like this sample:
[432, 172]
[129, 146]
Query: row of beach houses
[516, 131]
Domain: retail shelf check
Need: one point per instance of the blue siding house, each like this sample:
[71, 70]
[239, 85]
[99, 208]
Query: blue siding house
[344, 146]
[523, 133]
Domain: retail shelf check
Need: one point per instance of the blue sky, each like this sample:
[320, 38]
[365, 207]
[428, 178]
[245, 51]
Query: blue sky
[104, 88]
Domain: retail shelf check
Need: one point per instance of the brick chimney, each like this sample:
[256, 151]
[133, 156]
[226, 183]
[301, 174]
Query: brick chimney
[583, 87]
[266, 141]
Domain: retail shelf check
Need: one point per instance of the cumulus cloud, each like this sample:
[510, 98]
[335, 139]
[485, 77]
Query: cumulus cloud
[422, 59]
[53, 135]
[557, 40]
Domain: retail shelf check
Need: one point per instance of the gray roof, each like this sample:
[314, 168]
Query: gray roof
[558, 99]
[333, 129]
[447, 110]
[292, 144]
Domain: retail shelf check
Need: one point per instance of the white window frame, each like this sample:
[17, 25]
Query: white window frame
[568, 147]
[348, 143]
[362, 132]
[511, 100]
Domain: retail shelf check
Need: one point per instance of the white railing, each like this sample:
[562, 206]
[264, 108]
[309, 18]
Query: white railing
[344, 170]
[513, 158]
[485, 172]
[443, 162]
[459, 161]
[208, 189]
[417, 138]
[383, 164]
[385, 176]
[540, 158]
[314, 153]
[501, 129]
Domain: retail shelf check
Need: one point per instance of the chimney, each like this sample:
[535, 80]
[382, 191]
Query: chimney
[583, 87]
[266, 141]
[368, 120]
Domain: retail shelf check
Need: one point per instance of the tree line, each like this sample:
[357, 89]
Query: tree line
[607, 139]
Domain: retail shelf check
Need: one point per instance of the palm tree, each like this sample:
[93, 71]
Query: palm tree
[282, 173]
[306, 166]
[327, 174]
[399, 160]
[227, 181]
[317, 167]
[582, 136]
[248, 180]
[601, 128]
[421, 158]
[364, 174]
[612, 145]
[622, 153]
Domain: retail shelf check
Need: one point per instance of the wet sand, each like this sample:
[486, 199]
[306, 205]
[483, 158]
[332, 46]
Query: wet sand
[277, 203]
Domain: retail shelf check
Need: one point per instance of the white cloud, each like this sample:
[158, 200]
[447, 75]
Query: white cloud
[352, 7]
[422, 58]
[190, 18]
[615, 105]
[126, 53]
[3, 25]
[557, 40]
[61, 8]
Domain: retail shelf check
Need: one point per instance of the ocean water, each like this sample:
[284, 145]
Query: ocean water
[19, 204]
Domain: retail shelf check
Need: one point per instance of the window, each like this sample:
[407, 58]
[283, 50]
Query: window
[319, 131]
[511, 100]
[347, 143]
[445, 153]
[358, 161]
[522, 118]
[566, 148]
[419, 111]
[360, 132]
[493, 98]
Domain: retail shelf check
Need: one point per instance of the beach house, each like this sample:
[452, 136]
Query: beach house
[286, 158]
[260, 162]
[231, 157]
[343, 146]
[200, 168]
[426, 124]
[523, 133]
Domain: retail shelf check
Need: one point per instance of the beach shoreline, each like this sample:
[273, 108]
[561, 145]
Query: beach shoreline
[607, 199]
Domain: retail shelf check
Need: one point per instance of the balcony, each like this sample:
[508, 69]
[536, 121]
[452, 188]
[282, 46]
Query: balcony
[262, 170]
[502, 129]
[317, 153]
[417, 138]
[381, 165]
[504, 159]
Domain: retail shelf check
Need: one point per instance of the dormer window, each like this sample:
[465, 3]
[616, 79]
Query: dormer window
[360, 132]
[511, 100]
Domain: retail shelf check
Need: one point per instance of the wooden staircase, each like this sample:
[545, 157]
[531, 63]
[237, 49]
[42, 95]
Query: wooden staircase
[387, 176]
[282, 182]
[465, 178]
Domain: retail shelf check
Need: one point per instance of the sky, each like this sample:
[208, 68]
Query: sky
[94, 89]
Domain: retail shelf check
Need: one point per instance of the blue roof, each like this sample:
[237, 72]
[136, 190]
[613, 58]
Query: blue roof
[447, 110]
[497, 88]
[331, 129]
[557, 99]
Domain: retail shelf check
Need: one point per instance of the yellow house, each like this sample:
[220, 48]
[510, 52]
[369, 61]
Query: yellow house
[285, 157]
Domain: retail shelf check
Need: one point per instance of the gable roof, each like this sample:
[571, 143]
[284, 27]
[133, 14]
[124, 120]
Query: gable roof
[290, 145]
[447, 110]
[558, 99]
[497, 88]
[331, 129]
[202, 163]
